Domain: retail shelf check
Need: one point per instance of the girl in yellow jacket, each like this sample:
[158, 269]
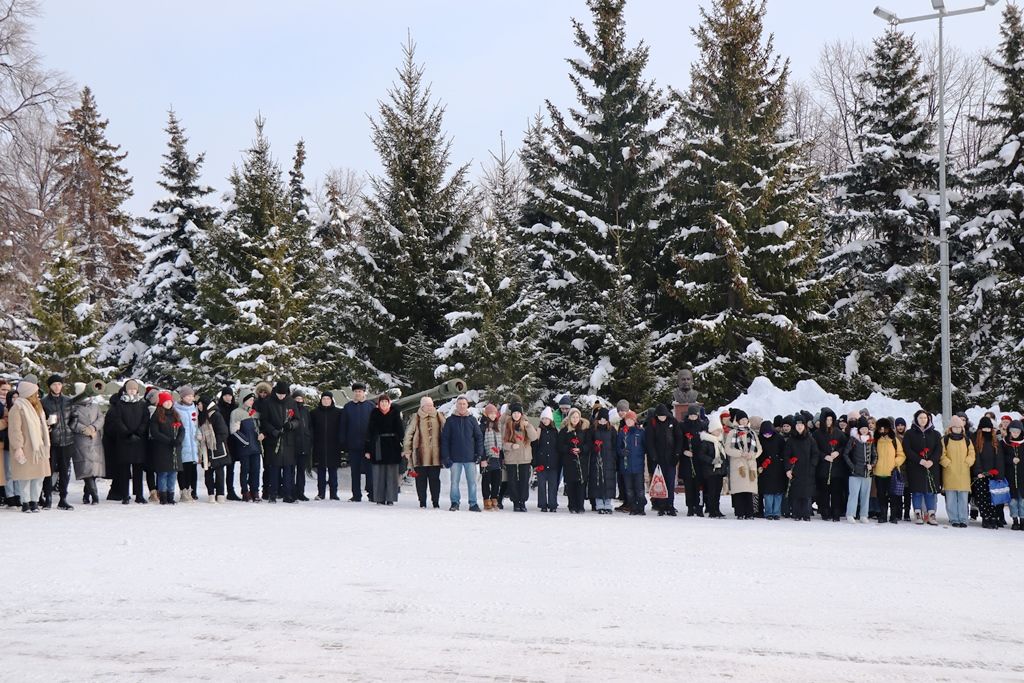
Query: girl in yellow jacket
[889, 451]
[957, 459]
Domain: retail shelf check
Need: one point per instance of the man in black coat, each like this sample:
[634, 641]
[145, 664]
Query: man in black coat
[62, 443]
[688, 435]
[663, 450]
[326, 423]
[278, 421]
[303, 445]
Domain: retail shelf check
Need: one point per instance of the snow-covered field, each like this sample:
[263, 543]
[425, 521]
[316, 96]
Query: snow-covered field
[346, 591]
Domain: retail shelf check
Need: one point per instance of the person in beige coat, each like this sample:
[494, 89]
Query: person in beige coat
[29, 439]
[742, 446]
[517, 436]
[422, 447]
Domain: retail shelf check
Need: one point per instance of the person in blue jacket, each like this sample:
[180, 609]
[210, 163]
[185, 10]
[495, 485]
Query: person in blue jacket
[462, 448]
[355, 417]
[629, 445]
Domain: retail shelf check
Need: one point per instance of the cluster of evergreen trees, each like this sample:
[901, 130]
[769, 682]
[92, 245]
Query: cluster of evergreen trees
[635, 232]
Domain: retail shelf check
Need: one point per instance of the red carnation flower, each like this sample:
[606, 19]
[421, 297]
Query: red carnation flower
[766, 463]
[251, 412]
[176, 425]
[924, 453]
[291, 413]
[833, 443]
[413, 473]
[598, 443]
[993, 472]
[793, 460]
[540, 468]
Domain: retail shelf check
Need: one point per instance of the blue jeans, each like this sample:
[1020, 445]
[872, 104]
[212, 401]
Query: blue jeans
[1017, 507]
[165, 481]
[923, 501]
[772, 504]
[956, 507]
[457, 470]
[860, 491]
[603, 503]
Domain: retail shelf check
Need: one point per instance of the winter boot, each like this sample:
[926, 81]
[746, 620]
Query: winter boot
[210, 499]
[154, 496]
[24, 507]
[219, 499]
[170, 497]
[232, 495]
[931, 519]
[918, 519]
[162, 497]
[474, 508]
[140, 500]
[33, 506]
[64, 505]
[1016, 524]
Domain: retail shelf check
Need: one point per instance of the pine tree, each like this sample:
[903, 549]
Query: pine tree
[94, 185]
[990, 270]
[415, 232]
[883, 224]
[743, 300]
[494, 344]
[63, 321]
[156, 314]
[250, 312]
[595, 180]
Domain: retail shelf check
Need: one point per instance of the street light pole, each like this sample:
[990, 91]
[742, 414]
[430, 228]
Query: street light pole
[941, 14]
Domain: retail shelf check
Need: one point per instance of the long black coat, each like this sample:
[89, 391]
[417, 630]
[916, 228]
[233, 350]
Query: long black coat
[575, 468]
[602, 464]
[805, 450]
[128, 426]
[772, 479]
[165, 443]
[303, 434]
[919, 478]
[326, 423]
[688, 439]
[545, 449]
[384, 436]
[823, 439]
[278, 420]
[662, 445]
[1014, 473]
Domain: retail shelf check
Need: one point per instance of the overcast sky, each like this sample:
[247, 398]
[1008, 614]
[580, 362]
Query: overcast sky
[316, 68]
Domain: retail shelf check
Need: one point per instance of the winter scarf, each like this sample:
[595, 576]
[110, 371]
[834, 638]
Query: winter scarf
[37, 449]
[716, 441]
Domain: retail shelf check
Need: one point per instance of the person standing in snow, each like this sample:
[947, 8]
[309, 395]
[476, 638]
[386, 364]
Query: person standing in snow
[1012, 451]
[689, 470]
[279, 421]
[491, 467]
[923, 448]
[833, 473]
[890, 459]
[188, 415]
[422, 448]
[574, 448]
[957, 460]
[771, 479]
[247, 438]
[546, 462]
[226, 406]
[326, 424]
[303, 445]
[354, 418]
[127, 424]
[462, 448]
[663, 450]
[89, 460]
[517, 437]
[166, 435]
[714, 463]
[383, 449]
[859, 457]
[214, 456]
[900, 425]
[987, 465]
[743, 448]
[62, 443]
[602, 466]
[801, 462]
[629, 445]
[28, 437]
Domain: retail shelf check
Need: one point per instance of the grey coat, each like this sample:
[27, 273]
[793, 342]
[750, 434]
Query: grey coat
[88, 456]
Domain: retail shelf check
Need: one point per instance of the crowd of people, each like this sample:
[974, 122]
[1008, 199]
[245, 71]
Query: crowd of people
[858, 467]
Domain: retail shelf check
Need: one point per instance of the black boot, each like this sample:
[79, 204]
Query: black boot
[33, 506]
[161, 497]
[169, 495]
[24, 507]
[64, 505]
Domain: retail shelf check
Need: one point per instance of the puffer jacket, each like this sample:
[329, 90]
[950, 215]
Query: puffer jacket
[957, 460]
[629, 444]
[859, 457]
[889, 455]
[61, 433]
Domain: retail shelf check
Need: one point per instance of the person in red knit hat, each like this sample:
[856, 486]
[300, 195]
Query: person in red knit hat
[165, 438]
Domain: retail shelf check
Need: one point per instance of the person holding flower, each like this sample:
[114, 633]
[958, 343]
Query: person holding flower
[491, 466]
[546, 462]
[629, 445]
[771, 479]
[743, 448]
[714, 465]
[601, 481]
[890, 458]
[574, 448]
[923, 447]
[166, 436]
[833, 473]
[859, 457]
[956, 462]
[246, 439]
[517, 436]
[688, 433]
[801, 460]
[987, 466]
[278, 420]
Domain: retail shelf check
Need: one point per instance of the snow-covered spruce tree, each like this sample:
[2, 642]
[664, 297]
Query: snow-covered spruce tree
[883, 217]
[63, 322]
[250, 313]
[416, 230]
[990, 271]
[494, 344]
[595, 178]
[156, 316]
[743, 297]
[94, 185]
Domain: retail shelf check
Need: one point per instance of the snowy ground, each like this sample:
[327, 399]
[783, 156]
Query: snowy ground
[356, 592]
